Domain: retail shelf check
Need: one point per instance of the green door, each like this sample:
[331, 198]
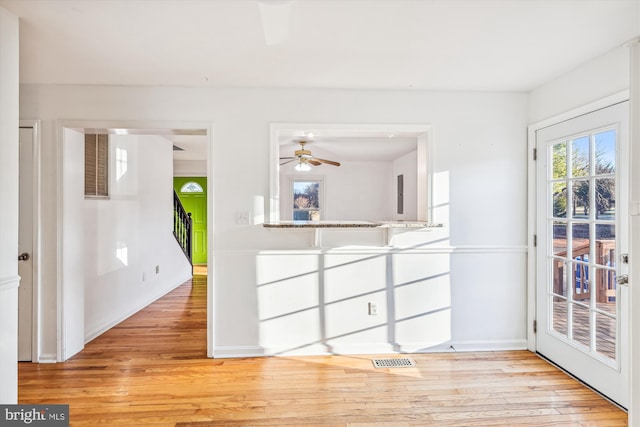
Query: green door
[192, 192]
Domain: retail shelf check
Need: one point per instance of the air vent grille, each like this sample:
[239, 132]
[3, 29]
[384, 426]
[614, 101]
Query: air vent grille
[396, 362]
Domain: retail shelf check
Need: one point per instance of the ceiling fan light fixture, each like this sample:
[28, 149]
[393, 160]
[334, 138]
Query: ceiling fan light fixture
[303, 167]
[304, 159]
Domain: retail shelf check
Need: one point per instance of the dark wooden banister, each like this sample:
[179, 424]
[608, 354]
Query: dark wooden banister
[182, 226]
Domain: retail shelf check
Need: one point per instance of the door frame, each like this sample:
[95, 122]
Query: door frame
[532, 199]
[634, 225]
[63, 290]
[35, 125]
[532, 211]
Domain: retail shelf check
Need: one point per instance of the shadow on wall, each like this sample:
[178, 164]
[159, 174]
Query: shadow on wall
[354, 301]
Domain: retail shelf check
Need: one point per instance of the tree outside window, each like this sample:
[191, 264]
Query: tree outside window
[603, 157]
[306, 200]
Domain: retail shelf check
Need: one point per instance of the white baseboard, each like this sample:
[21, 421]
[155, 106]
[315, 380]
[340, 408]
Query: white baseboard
[360, 348]
[307, 350]
[467, 346]
[47, 358]
[369, 348]
[230, 352]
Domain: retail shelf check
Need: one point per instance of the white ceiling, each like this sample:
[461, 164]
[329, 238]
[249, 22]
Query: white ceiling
[502, 45]
[350, 145]
[497, 45]
[194, 147]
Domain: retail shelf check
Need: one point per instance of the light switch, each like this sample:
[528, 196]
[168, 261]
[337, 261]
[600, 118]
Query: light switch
[242, 217]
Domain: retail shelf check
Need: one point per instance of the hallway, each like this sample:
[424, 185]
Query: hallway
[152, 370]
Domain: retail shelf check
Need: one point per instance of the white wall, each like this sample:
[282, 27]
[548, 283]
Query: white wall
[189, 168]
[352, 191]
[9, 279]
[129, 234]
[463, 283]
[597, 79]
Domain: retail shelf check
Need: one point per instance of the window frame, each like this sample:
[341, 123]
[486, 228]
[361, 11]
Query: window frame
[426, 175]
[322, 209]
[183, 188]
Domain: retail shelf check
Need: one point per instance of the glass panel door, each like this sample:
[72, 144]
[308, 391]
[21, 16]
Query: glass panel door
[581, 213]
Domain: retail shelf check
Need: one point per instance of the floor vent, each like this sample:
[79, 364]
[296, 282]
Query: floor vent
[397, 362]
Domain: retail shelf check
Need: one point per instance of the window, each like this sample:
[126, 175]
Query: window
[306, 199]
[96, 162]
[191, 187]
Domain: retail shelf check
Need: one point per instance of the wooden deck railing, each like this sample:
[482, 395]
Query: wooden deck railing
[605, 280]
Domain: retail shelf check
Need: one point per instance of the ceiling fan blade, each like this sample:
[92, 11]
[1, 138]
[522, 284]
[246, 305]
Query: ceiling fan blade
[329, 162]
[288, 161]
[287, 158]
[314, 162]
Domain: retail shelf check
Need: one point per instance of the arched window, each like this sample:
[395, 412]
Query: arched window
[191, 187]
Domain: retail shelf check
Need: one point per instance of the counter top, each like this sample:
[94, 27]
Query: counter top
[407, 224]
[350, 224]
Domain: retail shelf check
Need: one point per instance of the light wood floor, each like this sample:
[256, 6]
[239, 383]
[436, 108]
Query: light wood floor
[152, 370]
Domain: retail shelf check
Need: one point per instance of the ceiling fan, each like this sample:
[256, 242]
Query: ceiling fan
[305, 158]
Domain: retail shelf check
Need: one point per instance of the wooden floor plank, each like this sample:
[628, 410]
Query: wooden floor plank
[152, 370]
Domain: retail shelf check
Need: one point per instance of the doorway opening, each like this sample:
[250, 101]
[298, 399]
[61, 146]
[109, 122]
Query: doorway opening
[136, 275]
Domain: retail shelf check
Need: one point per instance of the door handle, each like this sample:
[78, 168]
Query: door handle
[623, 280]
[23, 257]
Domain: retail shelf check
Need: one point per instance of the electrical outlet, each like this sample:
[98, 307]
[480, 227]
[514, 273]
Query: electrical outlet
[157, 269]
[373, 309]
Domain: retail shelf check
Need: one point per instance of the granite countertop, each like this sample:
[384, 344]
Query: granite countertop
[407, 224]
[350, 224]
[321, 224]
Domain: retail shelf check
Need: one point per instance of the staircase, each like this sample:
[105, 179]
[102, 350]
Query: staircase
[182, 226]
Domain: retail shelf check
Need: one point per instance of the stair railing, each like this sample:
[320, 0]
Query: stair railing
[182, 226]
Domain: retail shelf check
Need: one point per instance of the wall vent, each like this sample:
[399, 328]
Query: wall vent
[396, 362]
